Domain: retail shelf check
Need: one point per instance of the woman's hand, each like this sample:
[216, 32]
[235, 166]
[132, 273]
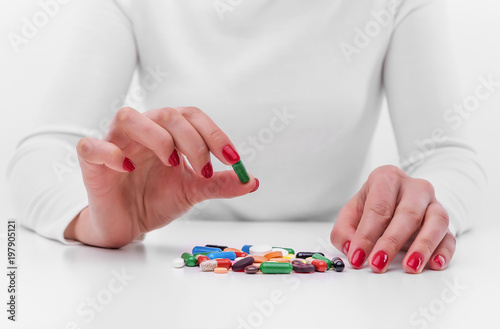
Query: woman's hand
[138, 179]
[394, 211]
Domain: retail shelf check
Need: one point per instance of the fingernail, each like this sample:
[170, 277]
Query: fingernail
[128, 165]
[440, 260]
[415, 261]
[174, 159]
[207, 170]
[358, 258]
[230, 154]
[256, 186]
[380, 260]
[345, 249]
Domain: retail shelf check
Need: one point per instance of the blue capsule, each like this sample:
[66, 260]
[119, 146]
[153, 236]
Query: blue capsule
[224, 254]
[200, 249]
[246, 248]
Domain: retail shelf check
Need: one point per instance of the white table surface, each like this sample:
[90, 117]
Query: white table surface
[55, 281]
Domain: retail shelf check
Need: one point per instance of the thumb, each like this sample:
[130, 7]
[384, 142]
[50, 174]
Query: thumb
[224, 185]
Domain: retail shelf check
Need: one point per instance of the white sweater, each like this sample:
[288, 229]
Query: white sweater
[297, 85]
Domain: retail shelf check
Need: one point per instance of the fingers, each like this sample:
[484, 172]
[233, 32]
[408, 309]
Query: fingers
[95, 154]
[391, 212]
[415, 197]
[219, 144]
[196, 136]
[381, 200]
[188, 129]
[185, 137]
[222, 185]
[434, 229]
[130, 126]
[347, 221]
[443, 253]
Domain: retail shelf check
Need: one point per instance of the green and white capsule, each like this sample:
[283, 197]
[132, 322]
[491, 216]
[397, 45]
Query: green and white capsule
[240, 170]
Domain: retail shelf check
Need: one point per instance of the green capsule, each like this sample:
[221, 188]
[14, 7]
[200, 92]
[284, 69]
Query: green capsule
[189, 259]
[275, 268]
[240, 170]
[203, 253]
[290, 250]
[321, 257]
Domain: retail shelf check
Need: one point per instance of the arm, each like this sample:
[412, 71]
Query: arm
[442, 180]
[93, 64]
[421, 83]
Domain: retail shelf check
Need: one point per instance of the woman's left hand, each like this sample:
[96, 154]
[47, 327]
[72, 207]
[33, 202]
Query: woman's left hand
[393, 212]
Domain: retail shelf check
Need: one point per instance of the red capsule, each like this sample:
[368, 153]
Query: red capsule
[319, 264]
[240, 253]
[201, 258]
[223, 262]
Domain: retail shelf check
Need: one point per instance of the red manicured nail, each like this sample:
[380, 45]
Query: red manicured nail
[380, 260]
[256, 186]
[230, 154]
[174, 159]
[207, 170]
[440, 260]
[128, 165]
[358, 258]
[345, 249]
[415, 261]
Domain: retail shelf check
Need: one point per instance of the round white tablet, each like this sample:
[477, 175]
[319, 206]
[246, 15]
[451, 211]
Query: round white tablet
[178, 262]
[260, 249]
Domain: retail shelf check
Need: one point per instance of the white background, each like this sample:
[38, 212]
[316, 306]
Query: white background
[475, 26]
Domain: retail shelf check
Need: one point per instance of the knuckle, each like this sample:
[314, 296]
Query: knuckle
[382, 210]
[190, 111]
[428, 245]
[335, 235]
[114, 153]
[393, 242]
[370, 240]
[441, 215]
[202, 150]
[166, 143]
[452, 238]
[166, 114]
[190, 196]
[84, 147]
[413, 214]
[388, 170]
[425, 185]
[216, 135]
[124, 114]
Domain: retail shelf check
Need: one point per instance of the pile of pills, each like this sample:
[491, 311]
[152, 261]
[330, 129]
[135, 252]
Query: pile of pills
[254, 258]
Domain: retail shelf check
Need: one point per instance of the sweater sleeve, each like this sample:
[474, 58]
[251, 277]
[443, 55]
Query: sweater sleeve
[423, 91]
[92, 64]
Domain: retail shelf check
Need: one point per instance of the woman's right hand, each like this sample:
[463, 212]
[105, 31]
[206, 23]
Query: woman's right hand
[127, 199]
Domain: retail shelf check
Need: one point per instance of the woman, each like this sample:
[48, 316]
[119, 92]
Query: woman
[294, 87]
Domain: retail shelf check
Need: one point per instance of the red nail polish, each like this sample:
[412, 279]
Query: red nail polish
[358, 258]
[380, 260]
[346, 247]
[256, 186]
[415, 261]
[128, 165]
[174, 159]
[440, 260]
[230, 154]
[207, 170]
